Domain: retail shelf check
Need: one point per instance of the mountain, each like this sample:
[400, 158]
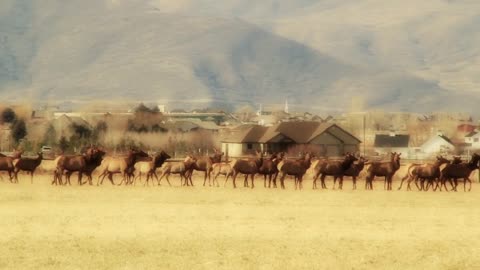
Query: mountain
[393, 55]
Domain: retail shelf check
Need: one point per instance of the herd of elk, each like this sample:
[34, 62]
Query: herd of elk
[149, 168]
[121, 165]
[426, 172]
[137, 163]
[83, 164]
[459, 171]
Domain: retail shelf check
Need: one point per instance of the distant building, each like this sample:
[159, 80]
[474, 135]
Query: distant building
[472, 139]
[437, 145]
[386, 143]
[325, 139]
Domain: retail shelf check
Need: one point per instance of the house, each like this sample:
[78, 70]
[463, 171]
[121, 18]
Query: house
[437, 145]
[325, 139]
[387, 143]
[473, 139]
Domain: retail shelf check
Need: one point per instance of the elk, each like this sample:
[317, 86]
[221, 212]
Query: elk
[459, 170]
[269, 168]
[354, 171]
[7, 163]
[181, 168]
[90, 165]
[385, 169]
[222, 168]
[248, 167]
[429, 172]
[27, 164]
[122, 165]
[296, 168]
[205, 164]
[149, 167]
[77, 163]
[333, 168]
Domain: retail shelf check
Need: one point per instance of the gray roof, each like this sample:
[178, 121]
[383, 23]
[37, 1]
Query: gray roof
[391, 141]
[471, 134]
[299, 131]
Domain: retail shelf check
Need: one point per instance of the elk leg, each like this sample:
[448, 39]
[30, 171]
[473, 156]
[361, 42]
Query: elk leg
[80, 178]
[282, 179]
[455, 184]
[168, 181]
[191, 182]
[252, 176]
[205, 179]
[322, 180]
[341, 182]
[275, 179]
[245, 181]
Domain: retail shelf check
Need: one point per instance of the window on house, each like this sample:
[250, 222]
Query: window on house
[475, 140]
[249, 146]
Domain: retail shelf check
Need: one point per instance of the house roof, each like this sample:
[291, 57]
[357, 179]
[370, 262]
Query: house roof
[397, 140]
[299, 132]
[446, 139]
[471, 134]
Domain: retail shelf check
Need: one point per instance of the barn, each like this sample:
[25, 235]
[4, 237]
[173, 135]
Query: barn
[325, 139]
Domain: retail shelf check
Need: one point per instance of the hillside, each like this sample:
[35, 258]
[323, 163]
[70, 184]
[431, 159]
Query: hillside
[238, 52]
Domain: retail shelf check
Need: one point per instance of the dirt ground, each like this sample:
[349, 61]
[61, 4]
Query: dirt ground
[118, 227]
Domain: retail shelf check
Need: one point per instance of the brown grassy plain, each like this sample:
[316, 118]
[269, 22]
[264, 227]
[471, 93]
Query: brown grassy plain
[111, 227]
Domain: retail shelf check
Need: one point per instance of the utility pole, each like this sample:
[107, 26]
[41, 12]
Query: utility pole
[364, 125]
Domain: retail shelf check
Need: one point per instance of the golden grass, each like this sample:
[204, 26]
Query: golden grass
[90, 227]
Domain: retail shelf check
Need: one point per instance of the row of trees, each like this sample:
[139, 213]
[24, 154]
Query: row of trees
[17, 125]
[144, 130]
[81, 136]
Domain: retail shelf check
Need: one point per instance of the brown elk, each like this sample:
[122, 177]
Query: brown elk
[248, 167]
[295, 168]
[27, 164]
[91, 164]
[122, 165]
[205, 164]
[355, 169]
[150, 167]
[429, 172]
[7, 163]
[335, 168]
[181, 168]
[385, 169]
[85, 163]
[459, 170]
[269, 168]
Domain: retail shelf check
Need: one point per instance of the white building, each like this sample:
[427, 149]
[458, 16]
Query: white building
[438, 144]
[473, 139]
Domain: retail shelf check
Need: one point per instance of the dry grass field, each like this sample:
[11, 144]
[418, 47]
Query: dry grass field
[106, 227]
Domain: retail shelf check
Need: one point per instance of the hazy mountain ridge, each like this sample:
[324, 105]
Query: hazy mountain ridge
[187, 51]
